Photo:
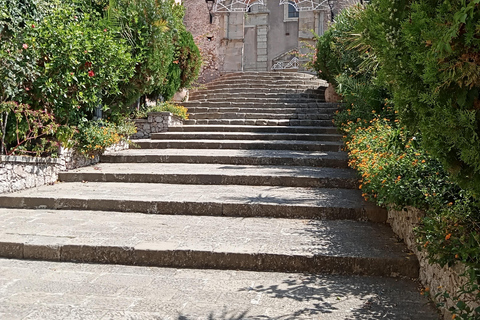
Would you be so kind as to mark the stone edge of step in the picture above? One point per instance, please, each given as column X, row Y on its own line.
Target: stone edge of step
column 162, row 256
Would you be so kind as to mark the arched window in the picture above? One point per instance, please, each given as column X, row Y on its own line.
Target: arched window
column 292, row 12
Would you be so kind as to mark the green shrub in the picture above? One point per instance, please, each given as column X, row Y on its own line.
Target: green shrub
column 148, row 26
column 93, row 137
column 429, row 54
column 175, row 109
column 26, row 131
column 406, row 91
column 69, row 60
column 185, row 66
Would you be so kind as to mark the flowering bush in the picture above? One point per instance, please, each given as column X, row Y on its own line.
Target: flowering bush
column 79, row 59
column 93, row 137
column 396, row 171
column 175, row 109
column 428, row 52
column 398, row 96
column 26, row 131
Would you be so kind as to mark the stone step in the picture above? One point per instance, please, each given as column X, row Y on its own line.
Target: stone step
column 230, row 156
column 219, row 88
column 273, row 87
column 299, row 145
column 260, row 82
column 268, row 77
column 287, row 111
column 262, row 100
column 255, row 129
column 202, row 200
column 208, row 174
column 95, row 291
column 250, row 74
column 260, row 122
column 245, row 136
column 250, row 95
column 254, row 116
column 257, row 244
column 287, row 105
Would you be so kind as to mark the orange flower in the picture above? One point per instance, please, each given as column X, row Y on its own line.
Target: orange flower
column 448, row 236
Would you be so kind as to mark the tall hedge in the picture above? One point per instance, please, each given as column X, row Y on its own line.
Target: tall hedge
column 429, row 53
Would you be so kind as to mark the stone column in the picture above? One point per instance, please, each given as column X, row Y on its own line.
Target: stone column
column 306, row 23
column 232, row 43
column 262, row 45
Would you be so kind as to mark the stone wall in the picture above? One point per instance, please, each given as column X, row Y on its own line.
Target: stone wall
column 24, row 172
column 155, row 122
column 434, row 277
column 207, row 37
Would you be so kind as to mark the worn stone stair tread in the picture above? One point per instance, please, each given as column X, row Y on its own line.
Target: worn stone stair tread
column 93, row 291
column 285, row 111
column 241, row 144
column 348, row 247
column 260, row 122
column 246, row 104
column 214, row 174
column 247, row 136
column 254, row 129
column 210, row 115
column 192, row 199
column 230, row 156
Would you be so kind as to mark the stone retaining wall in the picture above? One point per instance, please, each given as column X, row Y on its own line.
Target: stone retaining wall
column 434, row 277
column 155, row 122
column 23, row 172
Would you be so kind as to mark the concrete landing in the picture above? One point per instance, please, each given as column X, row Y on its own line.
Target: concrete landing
column 32, row 290
column 255, row 129
column 236, row 157
column 245, row 136
column 299, row 145
column 214, row 200
column 286, row 245
column 208, row 174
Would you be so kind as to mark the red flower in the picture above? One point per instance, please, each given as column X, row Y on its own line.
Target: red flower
column 91, row 73
column 88, row 65
column 33, row 26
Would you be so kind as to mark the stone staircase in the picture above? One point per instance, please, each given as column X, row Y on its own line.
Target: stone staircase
column 255, row 181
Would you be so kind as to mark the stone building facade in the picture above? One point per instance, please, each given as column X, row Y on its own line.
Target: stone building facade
column 264, row 38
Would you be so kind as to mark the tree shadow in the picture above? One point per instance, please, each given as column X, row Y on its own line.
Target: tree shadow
column 336, row 297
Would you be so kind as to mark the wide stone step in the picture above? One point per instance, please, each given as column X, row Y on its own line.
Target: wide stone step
column 268, row 79
column 255, row 116
column 80, row 291
column 256, row 129
column 252, row 74
column 287, row 105
column 219, row 88
column 261, row 82
column 261, row 100
column 260, row 122
column 286, row 111
column 208, row 174
column 250, row 95
column 300, row 145
column 258, row 244
column 245, row 136
column 232, row 156
column 203, row 200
